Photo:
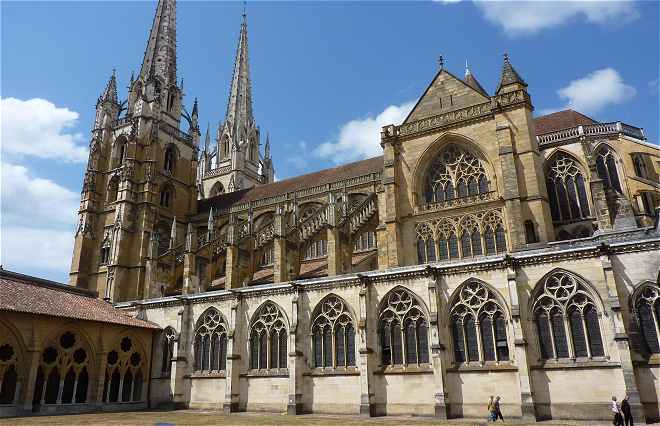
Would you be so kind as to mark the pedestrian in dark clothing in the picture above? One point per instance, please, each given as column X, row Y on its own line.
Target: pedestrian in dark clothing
column 625, row 410
column 498, row 411
column 616, row 411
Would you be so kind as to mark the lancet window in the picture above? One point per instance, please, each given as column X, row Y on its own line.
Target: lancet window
column 607, row 169
column 403, row 329
column 639, row 163
column 365, row 241
column 63, row 376
column 333, row 335
column 168, row 341
column 268, row 339
column 113, row 189
column 567, row 319
column 8, row 373
column 566, row 189
column 316, row 249
column 124, row 379
column 169, row 160
column 455, row 173
column 166, row 196
column 461, row 237
column 210, row 347
column 478, row 325
column 647, row 310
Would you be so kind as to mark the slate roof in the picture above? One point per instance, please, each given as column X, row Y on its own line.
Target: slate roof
column 560, row 120
column 31, row 295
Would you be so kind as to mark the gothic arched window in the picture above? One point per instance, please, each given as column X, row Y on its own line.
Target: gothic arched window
column 333, row 334
column 567, row 319
column 217, row 189
column 169, row 160
column 268, row 339
column 639, row 163
column 168, row 341
column 403, row 329
column 607, row 169
column 425, row 244
column 210, row 345
column 8, row 373
column 455, row 172
column 104, row 256
column 113, row 189
column 478, row 325
column 166, row 196
column 647, row 310
column 470, row 233
column 64, row 375
column 124, row 380
column 316, row 249
column 566, row 189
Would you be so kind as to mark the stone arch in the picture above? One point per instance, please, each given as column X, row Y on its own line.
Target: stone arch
column 217, row 189
column 119, row 151
column 257, row 312
column 499, row 298
column 171, row 155
column 333, row 330
column 268, row 338
column 349, row 308
column 537, row 290
column 567, row 183
column 419, row 300
column 14, row 368
column 167, row 195
column 614, row 178
column 425, row 160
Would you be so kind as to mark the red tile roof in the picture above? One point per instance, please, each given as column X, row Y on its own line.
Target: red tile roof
column 560, row 120
column 31, row 295
column 322, row 177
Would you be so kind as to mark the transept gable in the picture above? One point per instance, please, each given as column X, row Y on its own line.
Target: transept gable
column 445, row 93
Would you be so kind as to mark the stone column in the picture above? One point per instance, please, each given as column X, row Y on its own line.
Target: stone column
column 520, row 352
column 232, row 268
column 190, row 278
column 33, row 360
column 436, row 347
column 233, row 368
column 279, row 247
column 294, row 364
column 181, row 368
column 367, row 397
column 389, row 237
column 336, row 261
column 510, row 189
column 621, row 339
column 97, row 395
column 151, row 272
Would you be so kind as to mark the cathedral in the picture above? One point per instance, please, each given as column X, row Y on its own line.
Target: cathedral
column 488, row 251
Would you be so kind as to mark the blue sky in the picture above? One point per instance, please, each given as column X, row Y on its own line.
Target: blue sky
column 325, row 77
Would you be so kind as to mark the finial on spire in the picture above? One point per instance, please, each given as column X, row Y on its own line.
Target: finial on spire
column 207, row 138
column 467, row 68
column 244, row 7
column 160, row 54
column 110, row 92
column 267, row 147
column 506, row 57
column 441, row 62
column 195, row 110
column 509, row 75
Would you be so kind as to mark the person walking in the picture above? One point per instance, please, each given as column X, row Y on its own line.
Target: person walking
column 498, row 411
column 491, row 409
column 616, row 412
column 625, row 410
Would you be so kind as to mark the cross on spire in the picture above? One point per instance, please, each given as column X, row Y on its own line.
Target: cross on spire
column 441, row 62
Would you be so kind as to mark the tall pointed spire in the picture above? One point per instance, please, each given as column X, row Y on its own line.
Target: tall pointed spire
column 471, row 80
column 239, row 107
column 267, row 147
column 207, row 138
column 160, row 54
column 110, row 91
column 509, row 75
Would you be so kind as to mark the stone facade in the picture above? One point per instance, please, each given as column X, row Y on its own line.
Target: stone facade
column 486, row 252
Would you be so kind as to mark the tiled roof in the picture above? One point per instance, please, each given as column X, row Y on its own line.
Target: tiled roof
column 31, row 295
column 560, row 120
column 322, row 177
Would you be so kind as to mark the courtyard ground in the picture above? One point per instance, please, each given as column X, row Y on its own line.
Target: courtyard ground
column 194, row 418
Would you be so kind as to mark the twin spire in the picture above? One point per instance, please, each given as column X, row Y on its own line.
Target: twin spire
column 239, row 106
column 160, row 55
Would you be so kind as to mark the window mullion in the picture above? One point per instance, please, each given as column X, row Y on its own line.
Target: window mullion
column 334, row 348
column 492, row 328
column 552, row 336
column 569, row 336
column 656, row 320
column 480, row 345
column 586, row 335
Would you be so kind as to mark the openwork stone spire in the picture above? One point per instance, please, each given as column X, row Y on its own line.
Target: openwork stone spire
column 239, row 107
column 509, row 75
column 160, row 55
column 110, row 92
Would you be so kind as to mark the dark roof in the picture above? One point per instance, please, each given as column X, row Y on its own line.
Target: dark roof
column 322, row 177
column 37, row 296
column 471, row 81
column 560, row 120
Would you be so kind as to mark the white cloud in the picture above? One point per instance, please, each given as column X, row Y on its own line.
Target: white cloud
column 38, row 128
column 596, row 91
column 360, row 138
column 38, row 221
column 528, row 17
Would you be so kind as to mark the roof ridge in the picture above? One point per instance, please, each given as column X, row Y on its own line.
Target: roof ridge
column 43, row 282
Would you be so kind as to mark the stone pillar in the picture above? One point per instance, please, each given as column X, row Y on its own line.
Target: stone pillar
column 279, row 247
column 510, row 189
column 181, row 367
column 621, row 339
column 367, row 397
column 232, row 271
column 336, row 258
column 520, row 352
column 437, row 349
column 294, row 364
column 233, row 368
column 97, row 396
column 151, row 271
column 389, row 237
column 33, row 360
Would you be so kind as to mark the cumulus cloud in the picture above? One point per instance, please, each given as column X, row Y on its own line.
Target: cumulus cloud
column 596, row 91
column 360, row 138
column 38, row 221
column 528, row 17
column 38, row 128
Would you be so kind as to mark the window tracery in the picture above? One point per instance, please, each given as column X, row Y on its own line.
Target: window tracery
column 123, row 373
column 63, row 377
column 647, row 313
column 168, row 341
column 268, row 339
column 333, row 335
column 567, row 319
column 403, row 330
column 169, row 160
column 210, row 342
column 478, row 325
column 566, row 189
column 113, row 189
column 455, row 173
column 607, row 168
column 461, row 237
